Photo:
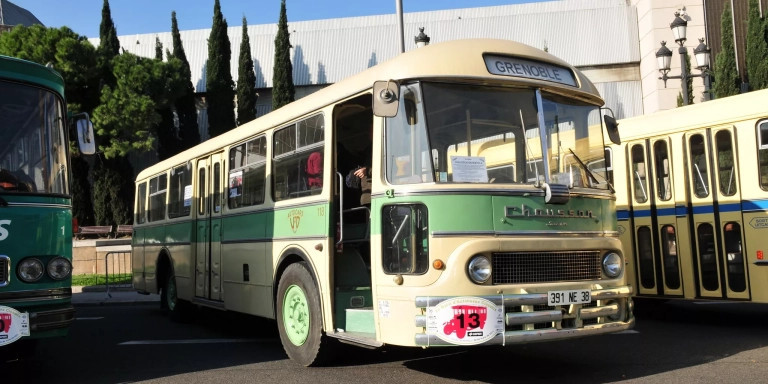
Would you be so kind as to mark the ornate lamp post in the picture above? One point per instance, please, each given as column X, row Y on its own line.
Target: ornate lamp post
column 702, row 54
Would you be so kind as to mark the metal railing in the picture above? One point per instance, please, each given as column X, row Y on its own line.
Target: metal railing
column 121, row 265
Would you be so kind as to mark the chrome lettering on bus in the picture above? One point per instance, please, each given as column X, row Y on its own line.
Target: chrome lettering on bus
column 526, row 211
column 4, row 231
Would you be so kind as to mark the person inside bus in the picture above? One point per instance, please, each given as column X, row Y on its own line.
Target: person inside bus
column 359, row 178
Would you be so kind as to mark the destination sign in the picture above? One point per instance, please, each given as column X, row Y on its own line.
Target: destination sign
column 517, row 67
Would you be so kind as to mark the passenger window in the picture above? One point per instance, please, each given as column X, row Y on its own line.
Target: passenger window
column 201, row 195
column 247, row 173
column 762, row 152
column 639, row 177
column 699, row 166
column 298, row 159
column 180, row 191
column 663, row 178
column 725, row 163
column 141, row 201
column 157, row 191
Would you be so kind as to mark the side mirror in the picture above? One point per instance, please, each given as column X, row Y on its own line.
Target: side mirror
column 612, row 127
column 85, row 138
column 386, row 98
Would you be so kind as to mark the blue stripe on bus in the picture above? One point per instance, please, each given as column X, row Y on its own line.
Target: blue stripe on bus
column 682, row 211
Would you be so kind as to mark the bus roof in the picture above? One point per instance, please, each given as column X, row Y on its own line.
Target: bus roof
column 707, row 114
column 454, row 60
column 33, row 73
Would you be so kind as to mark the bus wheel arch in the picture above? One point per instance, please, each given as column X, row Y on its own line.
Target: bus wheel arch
column 178, row 310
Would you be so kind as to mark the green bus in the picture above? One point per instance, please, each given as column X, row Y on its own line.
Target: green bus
column 452, row 196
column 35, row 201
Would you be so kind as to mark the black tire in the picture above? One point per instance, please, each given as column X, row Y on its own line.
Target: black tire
column 300, row 319
column 178, row 310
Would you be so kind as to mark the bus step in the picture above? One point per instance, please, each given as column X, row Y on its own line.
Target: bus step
column 360, row 320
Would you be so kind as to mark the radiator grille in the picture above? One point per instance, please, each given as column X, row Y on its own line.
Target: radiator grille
column 539, row 267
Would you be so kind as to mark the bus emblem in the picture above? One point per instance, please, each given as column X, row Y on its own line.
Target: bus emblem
column 294, row 219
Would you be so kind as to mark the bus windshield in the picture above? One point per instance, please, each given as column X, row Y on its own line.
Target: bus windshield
column 33, row 147
column 458, row 133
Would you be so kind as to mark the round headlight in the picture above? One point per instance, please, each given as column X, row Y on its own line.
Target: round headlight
column 612, row 265
column 479, row 269
column 30, row 270
column 59, row 268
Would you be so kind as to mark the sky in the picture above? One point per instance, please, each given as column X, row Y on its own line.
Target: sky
column 152, row 16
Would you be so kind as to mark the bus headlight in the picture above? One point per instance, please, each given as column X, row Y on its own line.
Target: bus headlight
column 479, row 269
column 59, row 268
column 612, row 265
column 30, row 270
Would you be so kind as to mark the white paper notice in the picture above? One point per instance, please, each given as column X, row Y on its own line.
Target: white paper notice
column 469, row 169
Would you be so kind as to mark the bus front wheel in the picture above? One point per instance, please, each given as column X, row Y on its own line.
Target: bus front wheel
column 299, row 317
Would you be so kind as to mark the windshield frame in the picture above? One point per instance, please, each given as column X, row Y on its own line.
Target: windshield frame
column 34, row 142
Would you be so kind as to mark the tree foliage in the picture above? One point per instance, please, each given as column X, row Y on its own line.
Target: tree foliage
column 246, row 81
column 109, row 45
column 113, row 192
column 726, row 76
column 186, row 110
column 129, row 113
column 283, row 91
column 757, row 48
column 219, row 85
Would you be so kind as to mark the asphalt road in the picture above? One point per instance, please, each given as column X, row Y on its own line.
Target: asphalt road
column 672, row 343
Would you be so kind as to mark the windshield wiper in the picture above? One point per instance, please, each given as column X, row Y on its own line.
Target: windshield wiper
column 589, row 173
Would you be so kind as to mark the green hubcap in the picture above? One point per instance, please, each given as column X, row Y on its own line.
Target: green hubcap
column 171, row 295
column 296, row 315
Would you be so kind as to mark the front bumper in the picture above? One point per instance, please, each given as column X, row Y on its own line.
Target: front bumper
column 526, row 318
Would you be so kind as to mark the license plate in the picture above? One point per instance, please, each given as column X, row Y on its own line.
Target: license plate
column 577, row 296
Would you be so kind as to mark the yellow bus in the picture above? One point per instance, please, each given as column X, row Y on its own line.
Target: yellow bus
column 692, row 197
column 364, row 213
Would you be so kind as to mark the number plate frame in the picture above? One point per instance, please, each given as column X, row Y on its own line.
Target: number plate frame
column 568, row 297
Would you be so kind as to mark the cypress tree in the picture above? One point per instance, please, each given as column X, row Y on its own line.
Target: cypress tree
column 726, row 76
column 246, row 81
column 158, row 49
column 109, row 45
column 757, row 49
column 283, row 91
column 219, row 84
column 185, row 104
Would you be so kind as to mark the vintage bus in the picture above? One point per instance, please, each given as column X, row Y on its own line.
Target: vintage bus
column 444, row 249
column 692, row 200
column 35, row 201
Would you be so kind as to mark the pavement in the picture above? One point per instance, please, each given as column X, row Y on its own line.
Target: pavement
column 118, row 295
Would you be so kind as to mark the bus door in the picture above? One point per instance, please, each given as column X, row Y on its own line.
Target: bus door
column 653, row 215
column 715, row 207
column 210, row 172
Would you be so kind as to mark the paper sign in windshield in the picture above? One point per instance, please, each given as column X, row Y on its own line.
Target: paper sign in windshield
column 469, row 169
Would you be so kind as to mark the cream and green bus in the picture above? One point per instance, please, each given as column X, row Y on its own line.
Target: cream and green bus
column 692, row 199
column 478, row 219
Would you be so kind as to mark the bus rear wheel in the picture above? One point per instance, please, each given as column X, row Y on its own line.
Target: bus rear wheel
column 299, row 317
column 178, row 310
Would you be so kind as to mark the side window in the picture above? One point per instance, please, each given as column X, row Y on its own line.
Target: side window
column 202, row 196
column 180, row 191
column 247, row 173
column 699, row 166
column 141, row 201
column 157, row 191
column 726, row 170
column 663, row 178
column 639, row 174
column 762, row 152
column 298, row 159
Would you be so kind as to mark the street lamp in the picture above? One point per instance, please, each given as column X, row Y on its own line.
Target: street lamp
column 702, row 53
column 421, row 39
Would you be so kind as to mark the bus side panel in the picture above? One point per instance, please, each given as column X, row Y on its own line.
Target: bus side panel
column 137, row 259
column 246, row 263
column 179, row 238
column 755, row 208
column 153, row 247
